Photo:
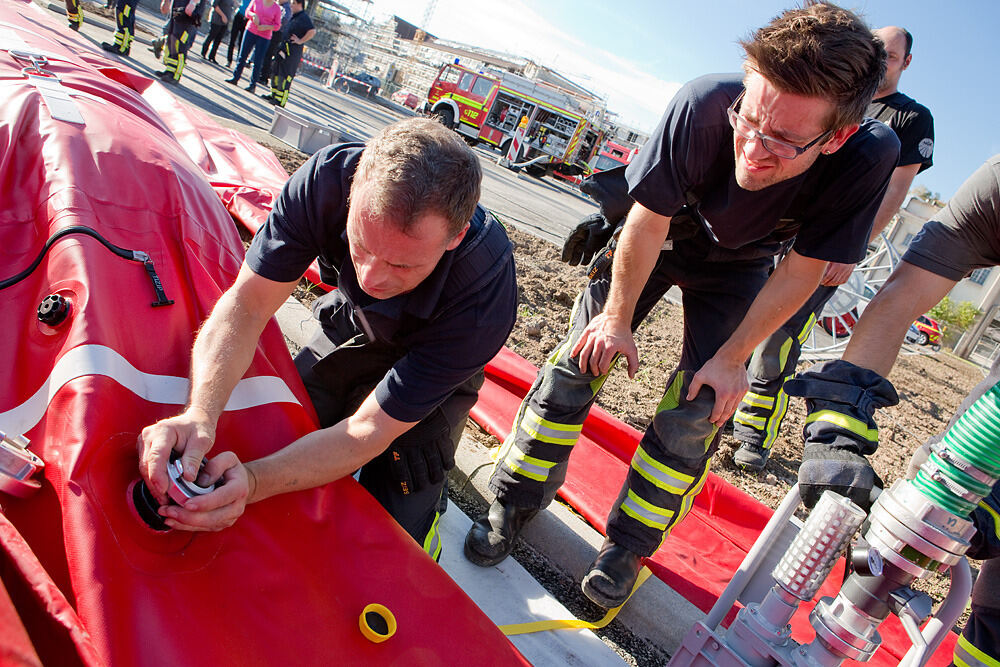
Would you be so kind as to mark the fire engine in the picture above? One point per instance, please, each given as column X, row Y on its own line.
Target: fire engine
column 612, row 154
column 562, row 130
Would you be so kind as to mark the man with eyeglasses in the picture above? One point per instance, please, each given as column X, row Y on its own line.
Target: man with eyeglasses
column 737, row 166
column 757, row 421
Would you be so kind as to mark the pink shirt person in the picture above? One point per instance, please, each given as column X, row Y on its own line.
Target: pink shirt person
column 268, row 16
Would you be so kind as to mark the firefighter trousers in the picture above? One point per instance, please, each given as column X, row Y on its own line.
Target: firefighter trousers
column 125, row 21
column 670, row 464
column 74, row 13
column 759, row 415
column 285, row 67
column 180, row 37
column 339, row 372
column 979, row 645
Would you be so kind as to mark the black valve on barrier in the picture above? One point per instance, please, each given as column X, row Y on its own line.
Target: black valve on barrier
column 179, row 491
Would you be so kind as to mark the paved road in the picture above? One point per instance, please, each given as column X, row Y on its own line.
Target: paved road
column 548, row 207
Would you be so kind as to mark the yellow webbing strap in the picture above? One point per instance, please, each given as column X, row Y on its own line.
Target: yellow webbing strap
column 574, row 623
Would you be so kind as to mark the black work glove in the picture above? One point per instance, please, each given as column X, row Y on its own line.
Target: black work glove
column 609, row 189
column 590, row 237
column 421, row 457
column 840, row 429
column 839, row 470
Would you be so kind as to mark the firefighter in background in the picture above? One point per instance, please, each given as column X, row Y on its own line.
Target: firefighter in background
column 185, row 17
column 74, row 14
column 125, row 20
column 962, row 237
column 286, row 62
column 758, row 419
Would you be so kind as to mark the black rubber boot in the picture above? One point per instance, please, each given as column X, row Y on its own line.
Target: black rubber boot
column 612, row 576
column 751, row 457
column 492, row 536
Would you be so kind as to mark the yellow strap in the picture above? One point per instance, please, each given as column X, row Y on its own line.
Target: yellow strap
column 574, row 623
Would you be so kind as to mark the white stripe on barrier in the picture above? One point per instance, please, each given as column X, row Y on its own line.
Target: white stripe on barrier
column 101, row 360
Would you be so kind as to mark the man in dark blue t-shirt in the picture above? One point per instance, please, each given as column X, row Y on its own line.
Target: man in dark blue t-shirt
column 427, row 296
column 737, row 166
column 758, row 418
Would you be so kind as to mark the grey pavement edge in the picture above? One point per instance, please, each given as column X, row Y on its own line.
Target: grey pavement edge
column 656, row 613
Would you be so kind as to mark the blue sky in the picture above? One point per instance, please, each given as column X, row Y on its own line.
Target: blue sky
column 637, row 52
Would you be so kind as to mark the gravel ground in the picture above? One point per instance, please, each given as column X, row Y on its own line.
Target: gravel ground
column 565, row 588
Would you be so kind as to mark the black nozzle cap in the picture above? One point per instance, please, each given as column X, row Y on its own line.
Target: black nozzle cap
column 147, row 506
column 53, row 310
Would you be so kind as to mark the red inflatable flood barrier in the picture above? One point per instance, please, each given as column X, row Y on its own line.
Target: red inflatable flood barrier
column 701, row 555
column 84, row 581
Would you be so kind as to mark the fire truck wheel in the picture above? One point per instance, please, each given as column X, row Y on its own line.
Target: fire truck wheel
column 446, row 116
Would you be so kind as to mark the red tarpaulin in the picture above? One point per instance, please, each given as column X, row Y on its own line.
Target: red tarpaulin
column 88, row 583
column 703, row 551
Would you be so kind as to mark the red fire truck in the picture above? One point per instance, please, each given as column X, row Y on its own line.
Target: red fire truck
column 612, row 154
column 561, row 132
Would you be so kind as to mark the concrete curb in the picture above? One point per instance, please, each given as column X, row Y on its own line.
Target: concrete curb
column 656, row 613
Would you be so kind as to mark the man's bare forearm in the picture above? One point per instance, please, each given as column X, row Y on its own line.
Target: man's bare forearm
column 908, row 293
column 221, row 355
column 224, row 348
column 899, row 186
column 326, row 455
column 635, row 256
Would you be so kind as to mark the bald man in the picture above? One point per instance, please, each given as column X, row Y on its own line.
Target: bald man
column 758, row 418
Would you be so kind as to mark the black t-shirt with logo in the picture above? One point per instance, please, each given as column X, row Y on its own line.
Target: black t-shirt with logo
column 913, row 124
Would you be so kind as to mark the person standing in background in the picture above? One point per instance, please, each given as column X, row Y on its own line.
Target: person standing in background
column 185, row 17
column 125, row 21
column 263, row 18
column 74, row 14
column 286, row 64
column 222, row 11
column 238, row 26
column 277, row 41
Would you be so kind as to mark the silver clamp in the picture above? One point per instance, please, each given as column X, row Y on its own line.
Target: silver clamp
column 56, row 97
column 18, row 466
column 946, row 454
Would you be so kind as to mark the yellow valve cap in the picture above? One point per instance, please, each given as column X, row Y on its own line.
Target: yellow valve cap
column 377, row 623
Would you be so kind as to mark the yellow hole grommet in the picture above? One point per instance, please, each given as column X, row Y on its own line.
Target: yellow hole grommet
column 377, row 623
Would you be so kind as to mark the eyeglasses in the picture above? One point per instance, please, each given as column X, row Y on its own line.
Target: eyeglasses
column 775, row 147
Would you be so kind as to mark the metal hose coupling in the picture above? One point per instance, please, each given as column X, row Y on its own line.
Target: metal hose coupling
column 922, row 525
column 918, row 527
column 762, row 630
column 20, row 468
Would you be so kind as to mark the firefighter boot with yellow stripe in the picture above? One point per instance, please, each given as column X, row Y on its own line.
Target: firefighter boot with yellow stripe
column 492, row 536
column 612, row 575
